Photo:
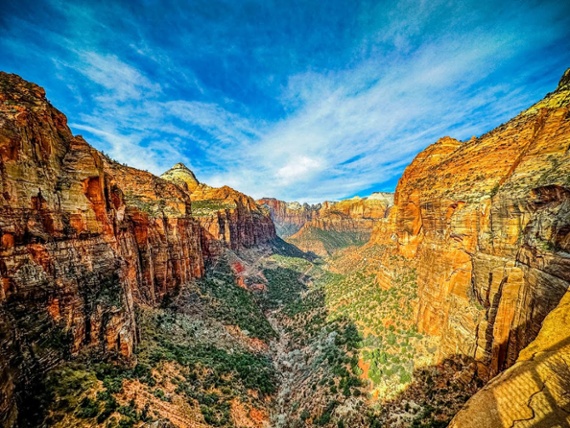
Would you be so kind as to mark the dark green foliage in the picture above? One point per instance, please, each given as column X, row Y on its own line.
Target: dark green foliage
column 284, row 287
column 254, row 371
column 160, row 394
column 88, row 408
column 142, row 372
column 227, row 302
column 217, row 414
column 327, row 413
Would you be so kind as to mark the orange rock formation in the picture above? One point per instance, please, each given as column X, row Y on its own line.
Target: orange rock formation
column 486, row 223
column 229, row 219
column 347, row 221
column 83, row 238
column 533, row 392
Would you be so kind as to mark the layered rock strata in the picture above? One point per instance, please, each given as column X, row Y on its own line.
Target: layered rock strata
column 84, row 239
column 289, row 217
column 229, row 219
column 321, row 228
column 486, row 223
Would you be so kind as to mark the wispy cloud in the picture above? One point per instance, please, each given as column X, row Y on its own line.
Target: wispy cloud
column 318, row 102
column 121, row 81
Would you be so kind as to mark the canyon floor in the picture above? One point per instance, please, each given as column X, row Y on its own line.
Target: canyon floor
column 269, row 338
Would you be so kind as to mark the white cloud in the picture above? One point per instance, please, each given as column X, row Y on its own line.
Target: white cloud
column 297, row 169
column 121, row 81
column 345, row 130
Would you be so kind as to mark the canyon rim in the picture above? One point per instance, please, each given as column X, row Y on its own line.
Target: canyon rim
column 247, row 214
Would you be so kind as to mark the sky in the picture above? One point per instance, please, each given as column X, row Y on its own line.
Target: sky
column 300, row 100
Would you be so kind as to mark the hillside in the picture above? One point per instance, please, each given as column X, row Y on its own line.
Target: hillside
column 131, row 300
column 323, row 228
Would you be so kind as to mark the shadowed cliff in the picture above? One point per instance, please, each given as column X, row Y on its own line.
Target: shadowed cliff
column 84, row 240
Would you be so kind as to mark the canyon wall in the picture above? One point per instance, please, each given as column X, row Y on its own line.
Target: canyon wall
column 325, row 227
column 289, row 217
column 486, row 224
column 84, row 239
column 534, row 391
column 229, row 219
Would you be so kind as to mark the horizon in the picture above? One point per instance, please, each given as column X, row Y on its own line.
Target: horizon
column 309, row 103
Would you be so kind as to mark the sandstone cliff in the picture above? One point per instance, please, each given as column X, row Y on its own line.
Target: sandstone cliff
column 229, row 219
column 84, row 239
column 533, row 392
column 288, row 217
column 325, row 227
column 486, row 223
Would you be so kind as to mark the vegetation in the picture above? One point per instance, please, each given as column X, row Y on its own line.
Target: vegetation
column 151, row 207
column 208, row 206
column 337, row 337
column 228, row 303
column 350, row 341
column 331, row 240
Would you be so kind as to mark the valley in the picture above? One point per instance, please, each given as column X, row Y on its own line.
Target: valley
column 303, row 343
column 132, row 300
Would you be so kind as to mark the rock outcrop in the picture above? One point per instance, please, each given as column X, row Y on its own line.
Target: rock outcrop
column 533, row 392
column 486, row 223
column 182, row 176
column 229, row 219
column 84, row 239
column 289, row 217
column 325, row 227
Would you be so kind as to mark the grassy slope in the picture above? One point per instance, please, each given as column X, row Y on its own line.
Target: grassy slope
column 319, row 345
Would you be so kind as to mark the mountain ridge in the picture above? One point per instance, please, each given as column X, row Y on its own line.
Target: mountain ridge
column 472, row 254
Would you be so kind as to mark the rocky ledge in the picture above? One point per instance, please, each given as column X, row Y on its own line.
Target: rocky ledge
column 83, row 239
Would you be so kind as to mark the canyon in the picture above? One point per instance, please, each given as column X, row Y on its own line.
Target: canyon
column 326, row 227
column 85, row 239
column 129, row 298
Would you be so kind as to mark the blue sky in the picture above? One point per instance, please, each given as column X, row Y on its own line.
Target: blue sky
column 300, row 100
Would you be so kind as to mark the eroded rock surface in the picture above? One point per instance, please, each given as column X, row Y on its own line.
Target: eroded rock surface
column 323, row 228
column 84, row 239
column 486, row 223
column 229, row 219
column 533, row 392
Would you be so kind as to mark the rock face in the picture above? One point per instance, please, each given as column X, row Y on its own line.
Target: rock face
column 289, row 217
column 533, row 392
column 182, row 176
column 229, row 219
column 324, row 227
column 486, row 223
column 83, row 239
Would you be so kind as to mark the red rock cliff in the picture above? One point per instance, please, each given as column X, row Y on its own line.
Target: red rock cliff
column 487, row 225
column 84, row 239
column 288, row 217
column 322, row 228
column 229, row 219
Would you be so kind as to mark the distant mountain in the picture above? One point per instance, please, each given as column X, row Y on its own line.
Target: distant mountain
column 323, row 228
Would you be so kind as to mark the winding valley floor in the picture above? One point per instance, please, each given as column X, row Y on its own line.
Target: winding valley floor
column 271, row 339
